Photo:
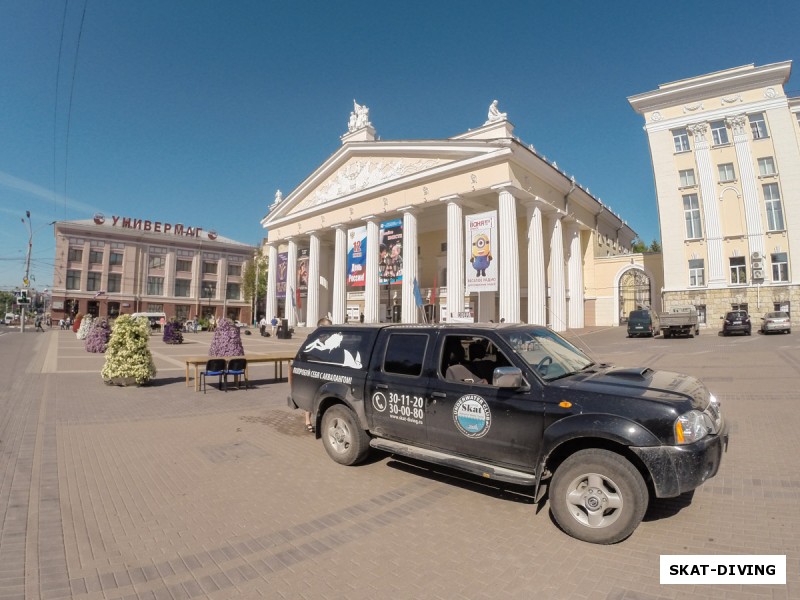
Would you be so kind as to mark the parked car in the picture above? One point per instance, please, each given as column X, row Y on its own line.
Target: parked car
column 643, row 322
column 736, row 321
column 777, row 321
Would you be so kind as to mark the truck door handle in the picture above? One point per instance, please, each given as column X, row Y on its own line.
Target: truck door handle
column 381, row 386
column 439, row 395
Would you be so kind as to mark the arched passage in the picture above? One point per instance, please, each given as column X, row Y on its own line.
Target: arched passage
column 634, row 290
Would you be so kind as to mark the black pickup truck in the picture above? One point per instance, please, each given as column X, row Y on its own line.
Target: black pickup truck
column 516, row 403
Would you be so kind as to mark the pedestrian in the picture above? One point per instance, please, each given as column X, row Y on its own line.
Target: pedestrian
column 309, row 425
column 274, row 324
column 262, row 325
column 61, row 323
column 38, row 322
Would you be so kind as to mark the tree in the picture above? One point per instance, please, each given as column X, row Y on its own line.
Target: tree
column 639, row 246
column 249, row 281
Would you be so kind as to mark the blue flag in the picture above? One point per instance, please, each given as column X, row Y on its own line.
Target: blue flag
column 417, row 295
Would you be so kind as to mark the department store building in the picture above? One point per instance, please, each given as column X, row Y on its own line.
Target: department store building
column 107, row 266
column 476, row 227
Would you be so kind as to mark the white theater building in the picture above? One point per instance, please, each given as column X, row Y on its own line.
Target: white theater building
column 486, row 227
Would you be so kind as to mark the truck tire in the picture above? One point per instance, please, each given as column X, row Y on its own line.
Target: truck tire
column 666, row 334
column 598, row 496
column 344, row 440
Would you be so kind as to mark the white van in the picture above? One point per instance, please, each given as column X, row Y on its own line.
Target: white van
column 9, row 318
column 157, row 319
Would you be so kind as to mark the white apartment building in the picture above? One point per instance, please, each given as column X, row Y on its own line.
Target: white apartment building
column 726, row 161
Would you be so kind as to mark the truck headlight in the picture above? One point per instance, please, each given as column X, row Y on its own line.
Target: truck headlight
column 691, row 427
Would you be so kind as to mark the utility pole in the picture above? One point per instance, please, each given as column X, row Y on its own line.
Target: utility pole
column 27, row 269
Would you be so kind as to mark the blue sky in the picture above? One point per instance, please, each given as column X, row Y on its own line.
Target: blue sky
column 197, row 111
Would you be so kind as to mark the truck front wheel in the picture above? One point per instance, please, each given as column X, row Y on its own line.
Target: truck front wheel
column 344, row 440
column 598, row 496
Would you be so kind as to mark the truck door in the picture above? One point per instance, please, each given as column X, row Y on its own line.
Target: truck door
column 398, row 385
column 467, row 415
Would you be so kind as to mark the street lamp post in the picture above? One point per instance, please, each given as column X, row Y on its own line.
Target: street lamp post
column 27, row 268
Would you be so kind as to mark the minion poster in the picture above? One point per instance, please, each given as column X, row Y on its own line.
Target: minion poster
column 481, row 237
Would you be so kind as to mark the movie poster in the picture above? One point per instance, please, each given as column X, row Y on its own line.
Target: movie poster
column 356, row 256
column 280, row 278
column 481, row 262
column 390, row 252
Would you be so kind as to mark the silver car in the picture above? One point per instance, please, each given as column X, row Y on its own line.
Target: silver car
column 776, row 322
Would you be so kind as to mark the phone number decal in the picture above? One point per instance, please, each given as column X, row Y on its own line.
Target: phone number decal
column 402, row 407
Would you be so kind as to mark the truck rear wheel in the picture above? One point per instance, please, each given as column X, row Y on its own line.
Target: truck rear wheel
column 344, row 440
column 598, row 496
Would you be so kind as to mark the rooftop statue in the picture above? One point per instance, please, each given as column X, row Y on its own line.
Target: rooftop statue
column 495, row 114
column 359, row 118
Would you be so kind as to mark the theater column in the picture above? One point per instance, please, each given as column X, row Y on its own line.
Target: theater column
column 508, row 256
column 558, row 296
column 291, row 283
column 272, row 282
column 410, row 311
column 455, row 256
column 575, row 275
column 312, row 294
column 340, row 276
column 537, row 279
column 371, row 281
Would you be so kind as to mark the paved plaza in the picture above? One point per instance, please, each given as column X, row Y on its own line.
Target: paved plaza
column 161, row 492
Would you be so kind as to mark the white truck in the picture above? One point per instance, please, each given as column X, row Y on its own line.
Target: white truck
column 679, row 320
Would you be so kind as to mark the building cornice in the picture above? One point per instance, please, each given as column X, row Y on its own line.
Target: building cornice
column 720, row 83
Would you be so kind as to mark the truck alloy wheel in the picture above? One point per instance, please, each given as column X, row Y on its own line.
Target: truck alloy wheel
column 598, row 496
column 344, row 440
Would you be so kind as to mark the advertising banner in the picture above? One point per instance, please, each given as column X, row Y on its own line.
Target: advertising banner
column 302, row 269
column 356, row 256
column 481, row 237
column 390, row 252
column 280, row 279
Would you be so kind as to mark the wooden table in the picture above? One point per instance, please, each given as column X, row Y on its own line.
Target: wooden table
column 276, row 358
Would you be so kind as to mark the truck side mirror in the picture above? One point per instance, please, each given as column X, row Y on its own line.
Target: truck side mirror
column 507, row 377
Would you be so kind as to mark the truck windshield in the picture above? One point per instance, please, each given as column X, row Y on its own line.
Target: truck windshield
column 550, row 355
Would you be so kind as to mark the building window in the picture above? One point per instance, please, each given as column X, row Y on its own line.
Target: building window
column 182, row 287
column 719, row 133
column 772, row 199
column 95, row 257
column 209, row 268
column 183, row 266
column 93, row 282
column 758, row 126
column 743, row 306
column 780, row 266
column 234, row 270
column 691, row 211
column 738, row 270
column 75, row 255
column 681, row 139
column 182, row 312
column 114, row 283
column 156, row 262
column 726, row 173
column 687, row 177
column 233, row 291
column 697, row 271
column 115, row 258
column 155, row 286
column 782, row 306
column 73, row 280
column 113, row 309
column 766, row 166
column 155, row 308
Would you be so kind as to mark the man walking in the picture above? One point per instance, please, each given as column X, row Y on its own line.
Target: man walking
column 38, row 322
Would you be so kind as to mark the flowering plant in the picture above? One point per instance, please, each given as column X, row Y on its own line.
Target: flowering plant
column 98, row 337
column 128, row 355
column 227, row 340
column 172, row 333
column 85, row 326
